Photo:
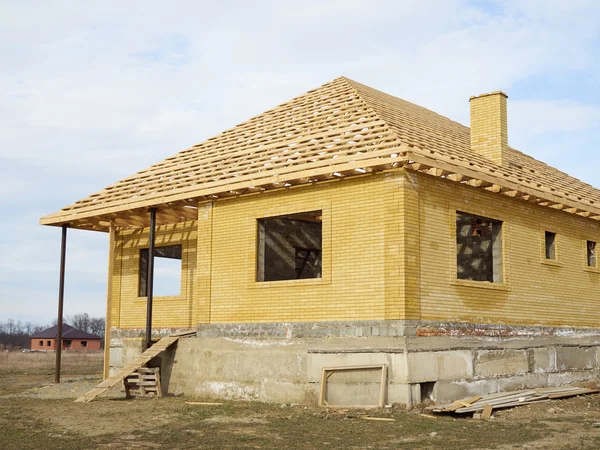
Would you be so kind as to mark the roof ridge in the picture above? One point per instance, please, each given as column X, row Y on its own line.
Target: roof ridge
column 408, row 102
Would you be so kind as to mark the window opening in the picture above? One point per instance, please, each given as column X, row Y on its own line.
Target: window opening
column 591, row 254
column 427, row 390
column 84, row 344
column 550, row 243
column 68, row 344
column 48, row 343
column 289, row 247
column 478, row 248
column 41, row 343
column 167, row 271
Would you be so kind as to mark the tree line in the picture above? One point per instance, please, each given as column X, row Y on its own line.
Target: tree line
column 15, row 334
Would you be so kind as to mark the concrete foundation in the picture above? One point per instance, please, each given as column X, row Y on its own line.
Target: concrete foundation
column 279, row 362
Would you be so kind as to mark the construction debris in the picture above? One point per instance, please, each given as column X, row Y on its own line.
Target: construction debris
column 204, row 403
column 482, row 407
column 382, row 419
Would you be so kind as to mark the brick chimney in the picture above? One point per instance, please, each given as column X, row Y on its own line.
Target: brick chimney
column 489, row 128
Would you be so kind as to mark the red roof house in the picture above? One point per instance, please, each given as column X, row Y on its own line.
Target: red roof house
column 73, row 339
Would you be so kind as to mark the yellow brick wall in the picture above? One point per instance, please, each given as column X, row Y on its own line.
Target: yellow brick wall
column 129, row 310
column 534, row 291
column 360, row 275
column 361, row 260
column 489, row 126
column 389, row 252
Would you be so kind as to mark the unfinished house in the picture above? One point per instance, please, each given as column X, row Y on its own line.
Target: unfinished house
column 353, row 247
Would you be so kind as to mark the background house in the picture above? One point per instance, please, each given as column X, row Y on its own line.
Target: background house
column 73, row 339
column 349, row 227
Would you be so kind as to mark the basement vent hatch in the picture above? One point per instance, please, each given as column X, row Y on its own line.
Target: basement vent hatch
column 289, row 247
column 167, row 271
column 478, row 248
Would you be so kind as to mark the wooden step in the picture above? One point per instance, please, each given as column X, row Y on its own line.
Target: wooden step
column 130, row 368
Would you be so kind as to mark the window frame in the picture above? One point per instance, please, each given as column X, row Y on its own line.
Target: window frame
column 260, row 248
column 291, row 208
column 504, row 246
column 586, row 266
column 554, row 246
column 557, row 262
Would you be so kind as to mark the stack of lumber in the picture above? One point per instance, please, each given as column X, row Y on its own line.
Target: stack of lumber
column 486, row 404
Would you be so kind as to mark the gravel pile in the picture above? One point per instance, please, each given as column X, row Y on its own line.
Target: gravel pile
column 69, row 388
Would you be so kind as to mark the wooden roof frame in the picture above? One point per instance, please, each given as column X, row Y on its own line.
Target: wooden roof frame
column 339, row 130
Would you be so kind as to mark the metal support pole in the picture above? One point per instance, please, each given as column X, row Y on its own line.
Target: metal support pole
column 150, row 277
column 61, row 296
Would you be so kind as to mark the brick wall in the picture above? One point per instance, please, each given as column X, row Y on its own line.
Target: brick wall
column 128, row 309
column 389, row 252
column 360, row 260
column 535, row 291
column 489, row 126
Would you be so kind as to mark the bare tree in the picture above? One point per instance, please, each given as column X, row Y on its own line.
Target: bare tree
column 80, row 321
column 97, row 326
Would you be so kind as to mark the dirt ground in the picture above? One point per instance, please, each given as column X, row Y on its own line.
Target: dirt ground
column 35, row 413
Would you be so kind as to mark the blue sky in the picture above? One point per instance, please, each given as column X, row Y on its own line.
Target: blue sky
column 94, row 91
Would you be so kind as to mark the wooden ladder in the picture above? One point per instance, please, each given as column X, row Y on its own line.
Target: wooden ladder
column 132, row 366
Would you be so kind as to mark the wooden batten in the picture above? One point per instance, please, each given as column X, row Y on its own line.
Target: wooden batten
column 339, row 130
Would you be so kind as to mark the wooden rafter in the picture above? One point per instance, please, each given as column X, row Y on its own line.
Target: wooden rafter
column 339, row 130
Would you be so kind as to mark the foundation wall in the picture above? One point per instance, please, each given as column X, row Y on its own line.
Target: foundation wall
column 284, row 362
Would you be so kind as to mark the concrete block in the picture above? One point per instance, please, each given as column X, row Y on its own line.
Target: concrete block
column 448, row 391
column 116, row 356
column 284, row 392
column 544, row 359
column 398, row 371
column 525, row 381
column 560, row 379
column 399, row 393
column 490, row 363
column 229, row 390
column 249, row 366
column 568, row 358
column 132, row 348
column 434, row 366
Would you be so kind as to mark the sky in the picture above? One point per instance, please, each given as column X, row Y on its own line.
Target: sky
column 91, row 92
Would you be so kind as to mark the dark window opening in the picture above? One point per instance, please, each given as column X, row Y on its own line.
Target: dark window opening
column 427, row 390
column 41, row 343
column 84, row 343
column 550, row 243
column 167, row 271
column 289, row 247
column 478, row 248
column 48, row 343
column 591, row 254
column 68, row 343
